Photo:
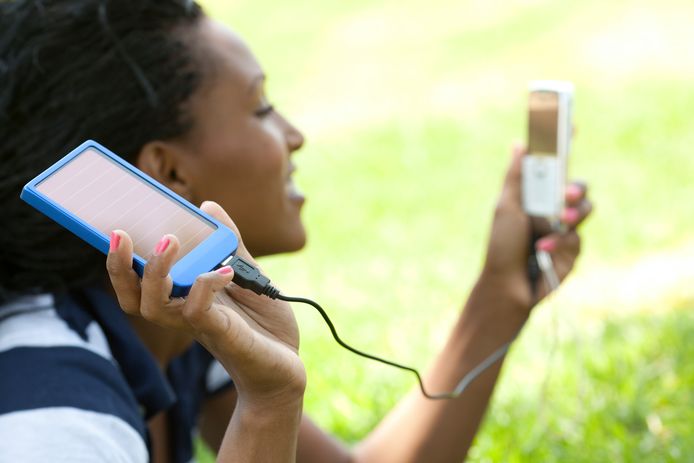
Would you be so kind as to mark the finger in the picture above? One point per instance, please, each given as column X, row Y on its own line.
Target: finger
column 575, row 192
column 547, row 243
column 156, row 282
column 563, row 249
column 574, row 216
column 512, row 183
column 567, row 250
column 216, row 211
column 197, row 309
column 119, row 264
column 569, row 242
column 559, row 242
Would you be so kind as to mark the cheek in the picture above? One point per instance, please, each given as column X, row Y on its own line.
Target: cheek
column 247, row 178
column 266, row 169
column 262, row 164
column 249, row 155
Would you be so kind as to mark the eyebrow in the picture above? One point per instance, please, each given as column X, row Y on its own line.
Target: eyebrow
column 258, row 80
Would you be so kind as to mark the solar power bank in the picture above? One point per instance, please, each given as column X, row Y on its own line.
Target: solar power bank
column 92, row 192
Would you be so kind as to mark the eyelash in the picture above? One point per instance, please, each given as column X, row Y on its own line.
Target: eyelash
column 262, row 112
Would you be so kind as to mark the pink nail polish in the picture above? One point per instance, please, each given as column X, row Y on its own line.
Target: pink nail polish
column 115, row 241
column 546, row 244
column 570, row 215
column 162, row 245
column 224, row 270
column 573, row 192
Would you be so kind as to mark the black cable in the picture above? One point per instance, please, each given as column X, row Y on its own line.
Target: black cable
column 462, row 385
column 248, row 276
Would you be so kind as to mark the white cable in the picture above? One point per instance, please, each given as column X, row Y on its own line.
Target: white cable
column 544, row 260
column 546, row 265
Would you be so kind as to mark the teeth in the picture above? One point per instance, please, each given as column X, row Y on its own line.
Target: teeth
column 291, row 188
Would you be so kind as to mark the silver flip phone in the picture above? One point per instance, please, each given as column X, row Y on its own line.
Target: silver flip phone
column 550, row 127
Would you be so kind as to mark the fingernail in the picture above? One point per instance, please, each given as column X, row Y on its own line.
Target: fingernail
column 573, row 192
column 224, row 270
column 162, row 245
column 546, row 244
column 115, row 241
column 569, row 215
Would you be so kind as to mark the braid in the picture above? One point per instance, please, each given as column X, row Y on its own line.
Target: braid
column 117, row 71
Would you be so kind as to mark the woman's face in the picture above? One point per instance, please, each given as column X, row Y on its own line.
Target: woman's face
column 238, row 152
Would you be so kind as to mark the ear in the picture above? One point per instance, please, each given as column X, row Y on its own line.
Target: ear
column 169, row 165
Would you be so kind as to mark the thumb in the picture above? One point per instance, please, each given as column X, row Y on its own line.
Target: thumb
column 216, row 211
column 512, row 183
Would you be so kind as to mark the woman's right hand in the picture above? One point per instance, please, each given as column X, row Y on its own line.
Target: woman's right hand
column 254, row 337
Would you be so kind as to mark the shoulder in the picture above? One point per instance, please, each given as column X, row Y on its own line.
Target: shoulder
column 62, row 394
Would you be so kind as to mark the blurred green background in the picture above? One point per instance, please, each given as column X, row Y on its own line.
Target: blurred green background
column 409, row 108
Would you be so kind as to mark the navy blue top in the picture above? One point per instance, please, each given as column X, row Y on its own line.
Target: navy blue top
column 75, row 380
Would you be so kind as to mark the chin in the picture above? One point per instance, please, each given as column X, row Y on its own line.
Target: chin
column 294, row 243
column 288, row 242
column 300, row 243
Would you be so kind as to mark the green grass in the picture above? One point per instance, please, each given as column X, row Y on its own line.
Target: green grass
column 623, row 394
column 409, row 108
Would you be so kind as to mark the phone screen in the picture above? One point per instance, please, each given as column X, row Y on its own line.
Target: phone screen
column 543, row 115
column 108, row 196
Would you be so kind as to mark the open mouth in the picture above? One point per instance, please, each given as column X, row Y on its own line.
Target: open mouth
column 290, row 187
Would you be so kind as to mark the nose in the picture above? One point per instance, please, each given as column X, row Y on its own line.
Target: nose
column 295, row 139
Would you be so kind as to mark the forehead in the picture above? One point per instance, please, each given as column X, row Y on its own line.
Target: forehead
column 230, row 58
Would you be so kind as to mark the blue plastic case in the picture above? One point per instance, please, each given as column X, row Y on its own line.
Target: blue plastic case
column 218, row 246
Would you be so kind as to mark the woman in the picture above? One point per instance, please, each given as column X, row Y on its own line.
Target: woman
column 182, row 97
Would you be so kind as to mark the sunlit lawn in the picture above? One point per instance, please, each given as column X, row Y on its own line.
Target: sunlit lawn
column 409, row 109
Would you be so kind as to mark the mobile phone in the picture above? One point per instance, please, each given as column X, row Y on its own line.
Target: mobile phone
column 550, row 128
column 92, row 191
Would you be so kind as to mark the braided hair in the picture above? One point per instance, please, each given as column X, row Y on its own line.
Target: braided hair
column 117, row 71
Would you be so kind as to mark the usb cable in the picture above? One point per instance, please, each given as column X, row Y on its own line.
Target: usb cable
column 249, row 277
